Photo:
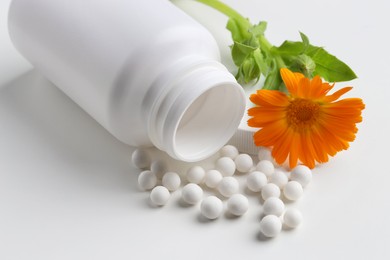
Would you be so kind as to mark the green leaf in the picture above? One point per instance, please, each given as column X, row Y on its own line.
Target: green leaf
column 245, row 48
column 252, row 41
column 329, row 66
column 273, row 80
column 289, row 48
column 240, row 52
column 260, row 61
column 258, row 29
column 305, row 40
column 237, row 55
column 326, row 65
column 239, row 31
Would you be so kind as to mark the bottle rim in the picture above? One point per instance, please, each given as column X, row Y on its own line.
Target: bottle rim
column 200, row 114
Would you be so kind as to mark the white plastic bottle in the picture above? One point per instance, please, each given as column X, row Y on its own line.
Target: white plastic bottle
column 144, row 70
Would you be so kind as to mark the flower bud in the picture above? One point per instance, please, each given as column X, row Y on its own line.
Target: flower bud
column 249, row 70
column 304, row 64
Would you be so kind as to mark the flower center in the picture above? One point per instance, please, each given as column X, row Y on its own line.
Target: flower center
column 302, row 114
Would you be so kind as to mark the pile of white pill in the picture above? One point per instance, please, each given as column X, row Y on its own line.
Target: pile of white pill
column 274, row 185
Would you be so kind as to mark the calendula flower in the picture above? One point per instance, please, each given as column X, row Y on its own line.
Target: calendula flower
column 306, row 125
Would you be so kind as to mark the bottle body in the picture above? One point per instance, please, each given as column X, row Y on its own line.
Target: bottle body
column 122, row 61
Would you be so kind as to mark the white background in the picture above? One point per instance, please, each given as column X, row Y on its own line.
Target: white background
column 68, row 191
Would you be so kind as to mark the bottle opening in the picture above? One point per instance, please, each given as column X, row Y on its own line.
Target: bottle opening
column 199, row 112
column 209, row 122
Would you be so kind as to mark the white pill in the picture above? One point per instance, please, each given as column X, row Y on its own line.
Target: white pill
column 229, row 151
column 292, row 218
column 159, row 195
column 293, row 190
column 226, row 166
column 159, row 168
column 270, row 190
column 195, row 174
column 264, row 154
column 237, row 204
column 266, row 167
column 212, row 178
column 228, row 186
column 140, row 158
column 273, row 206
column 147, row 180
column 243, row 162
column 171, row 181
column 192, row 193
column 211, row 207
column 279, row 178
column 270, row 226
column 288, row 174
column 301, row 174
column 256, row 181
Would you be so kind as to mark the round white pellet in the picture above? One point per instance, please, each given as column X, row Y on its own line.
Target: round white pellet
column 226, row 166
column 141, row 158
column 288, row 174
column 256, row 181
column 293, row 190
column 211, row 207
column 159, row 168
column 243, row 162
column 266, row 167
column 229, row 151
column 171, row 181
column 279, row 178
column 301, row 174
column 228, row 186
column 270, row 226
column 273, row 206
column 159, row 195
column 237, row 204
column 264, row 154
column 147, row 180
column 270, row 190
column 192, row 193
column 212, row 178
column 292, row 218
column 195, row 174
column 253, row 169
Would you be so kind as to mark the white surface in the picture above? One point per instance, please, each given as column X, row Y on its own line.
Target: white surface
column 68, row 191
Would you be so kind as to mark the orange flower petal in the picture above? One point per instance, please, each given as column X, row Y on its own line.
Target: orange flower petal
column 281, row 148
column 320, row 89
column 265, row 97
column 337, row 94
column 294, row 150
column 263, row 118
column 315, row 85
column 308, row 125
column 291, row 80
column 307, row 153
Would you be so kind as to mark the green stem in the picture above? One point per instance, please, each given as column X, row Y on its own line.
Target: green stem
column 225, row 9
column 267, row 46
column 265, row 43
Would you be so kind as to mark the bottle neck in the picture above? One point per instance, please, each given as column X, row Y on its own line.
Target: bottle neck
column 197, row 111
